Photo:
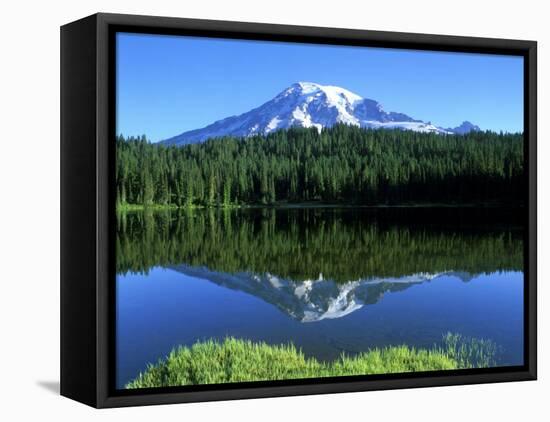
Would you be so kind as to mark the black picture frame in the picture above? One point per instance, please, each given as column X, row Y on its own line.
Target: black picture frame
column 87, row 207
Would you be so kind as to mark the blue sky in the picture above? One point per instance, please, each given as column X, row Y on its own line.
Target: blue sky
column 167, row 85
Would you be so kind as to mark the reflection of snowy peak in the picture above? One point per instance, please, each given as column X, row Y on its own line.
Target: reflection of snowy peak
column 307, row 104
column 310, row 300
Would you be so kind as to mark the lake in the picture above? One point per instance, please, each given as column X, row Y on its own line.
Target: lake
column 329, row 280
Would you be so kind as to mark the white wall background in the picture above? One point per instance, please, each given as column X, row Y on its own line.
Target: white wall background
column 29, row 208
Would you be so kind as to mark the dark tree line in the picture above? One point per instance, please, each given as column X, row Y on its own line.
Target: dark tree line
column 342, row 245
column 341, row 164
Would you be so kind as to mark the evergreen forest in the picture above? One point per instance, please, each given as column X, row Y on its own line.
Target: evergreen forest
column 340, row 165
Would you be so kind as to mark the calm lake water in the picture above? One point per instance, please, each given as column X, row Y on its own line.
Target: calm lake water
column 328, row 280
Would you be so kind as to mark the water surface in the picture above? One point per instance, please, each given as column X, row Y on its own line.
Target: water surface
column 331, row 281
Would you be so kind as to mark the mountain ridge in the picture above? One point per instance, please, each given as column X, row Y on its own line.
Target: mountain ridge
column 308, row 104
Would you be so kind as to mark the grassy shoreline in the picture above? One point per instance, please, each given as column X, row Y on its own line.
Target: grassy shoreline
column 312, row 204
column 140, row 207
column 237, row 360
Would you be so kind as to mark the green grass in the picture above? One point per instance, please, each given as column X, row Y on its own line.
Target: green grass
column 303, row 204
column 235, row 360
column 141, row 207
column 162, row 207
column 469, row 352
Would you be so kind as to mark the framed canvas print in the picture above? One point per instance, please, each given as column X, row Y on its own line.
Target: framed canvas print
column 253, row 210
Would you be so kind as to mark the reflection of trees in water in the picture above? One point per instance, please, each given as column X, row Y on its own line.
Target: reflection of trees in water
column 341, row 244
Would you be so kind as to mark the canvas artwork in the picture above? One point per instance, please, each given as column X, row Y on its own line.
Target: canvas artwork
column 292, row 211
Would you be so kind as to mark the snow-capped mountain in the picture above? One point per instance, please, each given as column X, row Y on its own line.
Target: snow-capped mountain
column 307, row 104
column 313, row 300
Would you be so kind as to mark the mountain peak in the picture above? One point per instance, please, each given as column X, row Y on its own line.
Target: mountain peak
column 309, row 104
column 334, row 93
column 305, row 87
column 465, row 127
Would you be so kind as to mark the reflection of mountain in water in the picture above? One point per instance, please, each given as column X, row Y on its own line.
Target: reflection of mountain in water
column 312, row 300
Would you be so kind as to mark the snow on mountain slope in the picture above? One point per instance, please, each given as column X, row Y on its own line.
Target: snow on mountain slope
column 307, row 104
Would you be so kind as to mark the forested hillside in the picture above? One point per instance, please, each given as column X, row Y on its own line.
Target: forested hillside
column 343, row 164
